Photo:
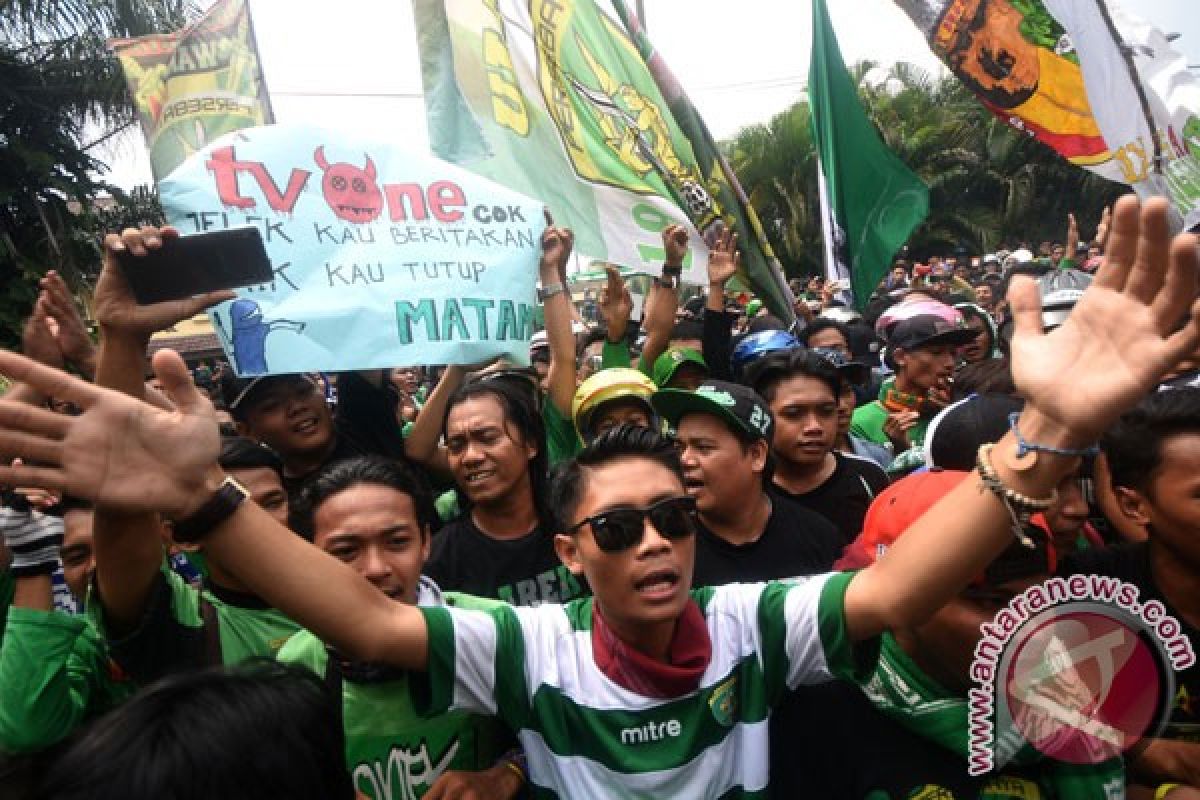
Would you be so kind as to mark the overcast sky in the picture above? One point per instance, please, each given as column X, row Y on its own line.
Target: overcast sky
column 353, row 63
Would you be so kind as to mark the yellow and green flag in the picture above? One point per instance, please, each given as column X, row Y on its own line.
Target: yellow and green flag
column 568, row 102
column 192, row 86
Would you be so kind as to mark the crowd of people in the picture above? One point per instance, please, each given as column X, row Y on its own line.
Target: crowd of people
column 703, row 554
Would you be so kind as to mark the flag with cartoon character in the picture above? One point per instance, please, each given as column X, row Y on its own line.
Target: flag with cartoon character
column 1098, row 85
column 192, row 86
column 380, row 257
column 570, row 103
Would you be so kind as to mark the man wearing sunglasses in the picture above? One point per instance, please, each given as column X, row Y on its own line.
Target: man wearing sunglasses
column 646, row 689
column 724, row 431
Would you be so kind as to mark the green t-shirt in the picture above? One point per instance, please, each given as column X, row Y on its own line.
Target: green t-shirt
column 392, row 751
column 562, row 440
column 867, row 423
column 8, row 587
column 173, row 634
column 54, row 675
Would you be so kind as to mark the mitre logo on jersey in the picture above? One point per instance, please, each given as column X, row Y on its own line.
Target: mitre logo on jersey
column 651, row 732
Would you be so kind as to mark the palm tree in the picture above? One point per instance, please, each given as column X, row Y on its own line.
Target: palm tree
column 57, row 80
column 988, row 185
column 776, row 164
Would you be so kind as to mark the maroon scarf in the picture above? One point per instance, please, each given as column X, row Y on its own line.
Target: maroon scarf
column 690, row 653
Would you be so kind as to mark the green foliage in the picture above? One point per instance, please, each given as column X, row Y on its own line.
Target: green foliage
column 56, row 77
column 990, row 186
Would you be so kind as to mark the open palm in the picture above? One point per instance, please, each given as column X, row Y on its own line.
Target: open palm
column 120, row 453
column 1122, row 335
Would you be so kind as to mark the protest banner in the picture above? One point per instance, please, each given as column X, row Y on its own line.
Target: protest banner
column 870, row 201
column 1146, row 101
column 381, row 257
column 569, row 102
column 192, row 86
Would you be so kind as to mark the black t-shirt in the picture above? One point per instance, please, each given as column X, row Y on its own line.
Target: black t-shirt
column 524, row 572
column 364, row 425
column 828, row 741
column 845, row 497
column 796, row 541
column 1131, row 564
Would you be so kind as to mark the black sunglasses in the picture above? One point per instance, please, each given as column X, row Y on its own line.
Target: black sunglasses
column 623, row 528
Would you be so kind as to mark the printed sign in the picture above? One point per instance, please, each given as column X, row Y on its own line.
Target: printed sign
column 381, row 257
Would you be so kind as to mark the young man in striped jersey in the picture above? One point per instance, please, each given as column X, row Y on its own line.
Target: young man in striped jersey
column 646, row 689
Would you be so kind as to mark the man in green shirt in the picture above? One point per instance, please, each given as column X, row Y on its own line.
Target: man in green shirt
column 923, row 348
column 376, row 516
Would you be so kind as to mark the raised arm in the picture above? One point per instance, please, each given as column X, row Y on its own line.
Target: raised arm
column 422, row 443
column 1076, row 380
column 556, row 249
column 126, row 455
column 129, row 546
column 616, row 306
column 718, row 330
column 658, row 312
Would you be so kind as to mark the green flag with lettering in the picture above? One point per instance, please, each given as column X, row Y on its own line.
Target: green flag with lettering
column 872, row 201
column 569, row 103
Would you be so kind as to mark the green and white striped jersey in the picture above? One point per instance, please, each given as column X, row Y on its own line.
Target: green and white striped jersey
column 585, row 736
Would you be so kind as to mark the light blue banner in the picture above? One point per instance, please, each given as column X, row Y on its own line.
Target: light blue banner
column 382, row 257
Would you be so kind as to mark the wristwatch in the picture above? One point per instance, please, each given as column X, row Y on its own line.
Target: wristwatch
column 670, row 277
column 216, row 509
column 546, row 292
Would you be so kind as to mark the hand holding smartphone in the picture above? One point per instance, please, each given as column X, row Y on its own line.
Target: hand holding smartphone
column 203, row 262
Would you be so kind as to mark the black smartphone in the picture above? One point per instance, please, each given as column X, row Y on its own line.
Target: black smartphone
column 203, row 262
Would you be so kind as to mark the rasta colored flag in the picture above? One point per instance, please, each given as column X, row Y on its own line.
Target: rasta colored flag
column 1090, row 80
column 1145, row 99
column 870, row 200
column 192, row 86
column 1018, row 61
column 567, row 101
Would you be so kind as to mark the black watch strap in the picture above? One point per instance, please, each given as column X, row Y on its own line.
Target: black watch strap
column 218, row 508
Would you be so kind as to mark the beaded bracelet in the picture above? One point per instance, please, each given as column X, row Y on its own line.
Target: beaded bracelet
column 1024, row 447
column 1019, row 506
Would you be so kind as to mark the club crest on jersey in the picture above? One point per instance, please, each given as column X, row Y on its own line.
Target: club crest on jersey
column 724, row 702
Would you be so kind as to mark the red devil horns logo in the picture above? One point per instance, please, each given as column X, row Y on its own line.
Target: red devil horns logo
column 351, row 192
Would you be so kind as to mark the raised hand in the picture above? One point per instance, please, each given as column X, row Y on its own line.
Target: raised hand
column 72, row 335
column 557, row 244
column 675, row 241
column 1101, row 237
column 116, row 309
column 37, row 338
column 615, row 305
column 1122, row 335
column 120, row 452
column 723, row 259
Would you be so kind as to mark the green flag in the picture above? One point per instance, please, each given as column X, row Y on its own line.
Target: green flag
column 569, row 103
column 871, row 201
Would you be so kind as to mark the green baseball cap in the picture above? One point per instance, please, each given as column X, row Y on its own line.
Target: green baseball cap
column 738, row 406
column 669, row 363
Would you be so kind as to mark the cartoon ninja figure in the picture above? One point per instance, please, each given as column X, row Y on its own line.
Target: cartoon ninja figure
column 250, row 335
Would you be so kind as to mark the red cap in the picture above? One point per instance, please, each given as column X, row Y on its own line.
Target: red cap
column 922, row 269
column 893, row 511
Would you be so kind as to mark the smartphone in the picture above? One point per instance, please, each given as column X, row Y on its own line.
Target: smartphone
column 203, row 262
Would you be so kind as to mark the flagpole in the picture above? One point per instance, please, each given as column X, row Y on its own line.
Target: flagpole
column 262, row 75
column 1143, row 101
